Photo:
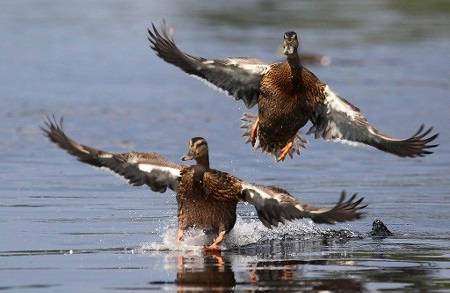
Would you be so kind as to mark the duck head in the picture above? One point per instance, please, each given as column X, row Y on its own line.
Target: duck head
column 290, row 43
column 198, row 151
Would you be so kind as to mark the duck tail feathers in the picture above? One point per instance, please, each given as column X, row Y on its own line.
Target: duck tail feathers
column 248, row 120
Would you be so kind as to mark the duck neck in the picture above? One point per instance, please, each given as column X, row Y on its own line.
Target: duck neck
column 203, row 161
column 296, row 68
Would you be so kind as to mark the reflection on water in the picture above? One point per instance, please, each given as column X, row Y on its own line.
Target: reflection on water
column 332, row 260
column 354, row 265
column 215, row 273
column 340, row 269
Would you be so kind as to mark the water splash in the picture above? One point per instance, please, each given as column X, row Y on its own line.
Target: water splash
column 193, row 240
column 243, row 234
column 253, row 232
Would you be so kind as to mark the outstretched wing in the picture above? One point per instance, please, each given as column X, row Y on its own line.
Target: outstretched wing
column 138, row 168
column 275, row 205
column 238, row 77
column 337, row 119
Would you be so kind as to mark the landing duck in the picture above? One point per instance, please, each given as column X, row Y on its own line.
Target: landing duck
column 207, row 198
column 288, row 96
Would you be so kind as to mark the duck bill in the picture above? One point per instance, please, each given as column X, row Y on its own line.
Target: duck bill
column 288, row 50
column 187, row 158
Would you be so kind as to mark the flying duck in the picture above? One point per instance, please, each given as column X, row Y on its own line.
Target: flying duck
column 206, row 198
column 288, row 96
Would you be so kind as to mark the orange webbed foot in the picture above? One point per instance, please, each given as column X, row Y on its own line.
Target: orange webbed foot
column 285, row 150
column 212, row 247
column 215, row 245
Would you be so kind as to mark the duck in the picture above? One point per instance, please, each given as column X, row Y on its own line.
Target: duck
column 206, row 198
column 288, row 96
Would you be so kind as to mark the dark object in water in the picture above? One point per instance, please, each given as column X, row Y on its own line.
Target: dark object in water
column 379, row 229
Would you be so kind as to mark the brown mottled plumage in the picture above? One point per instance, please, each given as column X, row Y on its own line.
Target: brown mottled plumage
column 207, row 198
column 207, row 204
column 283, row 106
column 288, row 96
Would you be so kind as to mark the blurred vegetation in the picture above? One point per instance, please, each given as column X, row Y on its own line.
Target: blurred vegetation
column 371, row 21
column 427, row 7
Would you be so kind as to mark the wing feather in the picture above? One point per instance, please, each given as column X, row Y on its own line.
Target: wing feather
column 138, row 168
column 238, row 77
column 336, row 118
column 275, row 205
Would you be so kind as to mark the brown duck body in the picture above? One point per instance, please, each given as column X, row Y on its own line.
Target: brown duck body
column 207, row 199
column 289, row 95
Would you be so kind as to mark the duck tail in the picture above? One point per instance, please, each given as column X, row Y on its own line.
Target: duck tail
column 249, row 119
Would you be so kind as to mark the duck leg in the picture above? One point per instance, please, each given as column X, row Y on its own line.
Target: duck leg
column 285, row 150
column 180, row 234
column 218, row 240
column 253, row 132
